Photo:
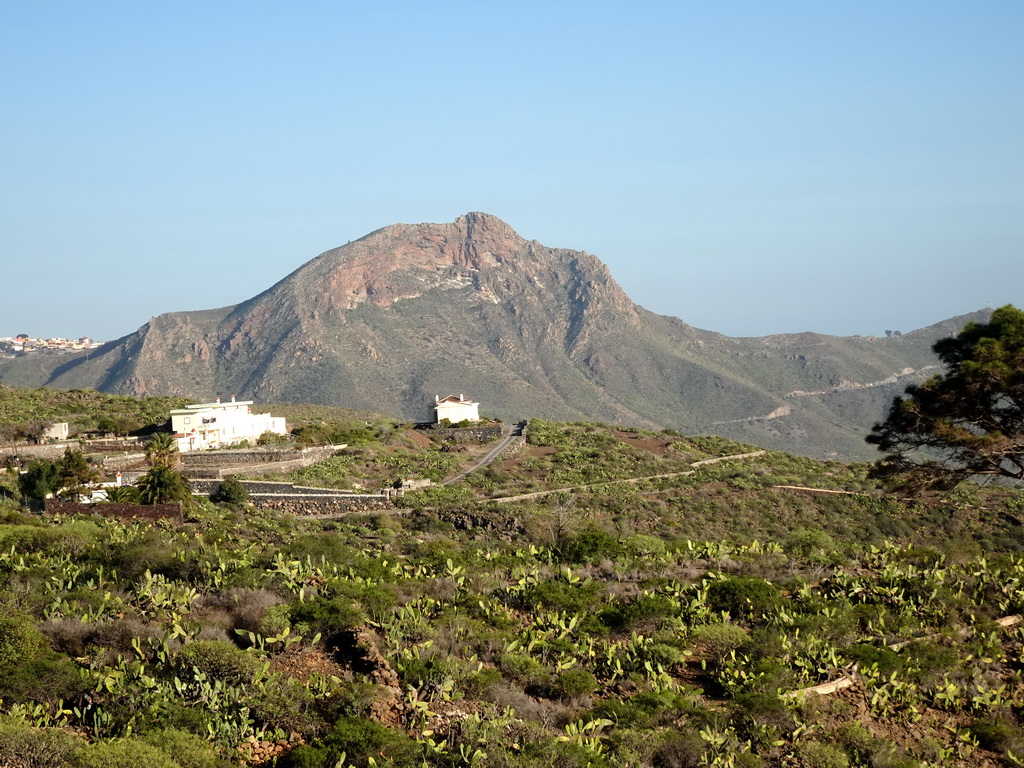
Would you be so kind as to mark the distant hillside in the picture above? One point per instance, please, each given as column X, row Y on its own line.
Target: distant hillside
column 83, row 409
column 412, row 311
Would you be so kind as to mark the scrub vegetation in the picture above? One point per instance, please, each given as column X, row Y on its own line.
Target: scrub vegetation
column 661, row 600
column 23, row 409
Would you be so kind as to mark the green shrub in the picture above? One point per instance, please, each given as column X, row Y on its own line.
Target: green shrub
column 589, row 546
column 680, row 750
column 359, row 740
column 20, row 640
column 480, row 683
column 643, row 545
column 563, row 754
column 275, row 620
column 575, row 683
column 664, row 654
column 886, row 659
column 869, row 750
column 223, row 661
column 745, row 598
column 188, row 750
column 998, row 735
column 152, row 551
column 719, row 639
column 230, row 491
column 122, row 753
column 328, row 616
column 647, row 608
column 524, row 669
column 809, row 544
column 286, row 704
column 35, row 747
column 49, row 678
column 766, row 710
column 306, row 756
column 316, row 546
column 560, row 595
column 376, row 600
column 815, row 754
column 646, row 709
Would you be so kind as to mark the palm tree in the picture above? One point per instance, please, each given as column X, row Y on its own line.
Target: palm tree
column 164, row 485
column 162, row 450
column 123, row 494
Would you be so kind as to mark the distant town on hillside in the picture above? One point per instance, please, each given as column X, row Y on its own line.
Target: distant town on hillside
column 24, row 344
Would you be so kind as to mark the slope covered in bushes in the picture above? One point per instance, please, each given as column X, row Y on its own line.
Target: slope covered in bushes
column 671, row 621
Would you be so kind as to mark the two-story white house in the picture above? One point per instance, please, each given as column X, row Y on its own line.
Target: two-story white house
column 216, row 425
column 455, row 409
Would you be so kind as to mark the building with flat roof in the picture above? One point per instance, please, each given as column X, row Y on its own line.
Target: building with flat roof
column 216, row 425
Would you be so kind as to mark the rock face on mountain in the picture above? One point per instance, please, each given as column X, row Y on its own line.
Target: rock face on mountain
column 412, row 311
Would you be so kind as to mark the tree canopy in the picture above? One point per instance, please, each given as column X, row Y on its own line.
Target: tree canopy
column 967, row 421
column 163, row 485
column 65, row 475
column 162, row 450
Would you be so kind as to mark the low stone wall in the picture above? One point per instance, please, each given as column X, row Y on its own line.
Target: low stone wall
column 514, row 447
column 119, row 461
column 29, row 451
column 220, row 464
column 466, row 434
column 323, row 506
column 258, row 456
column 119, row 511
column 105, row 444
column 206, row 487
column 301, row 499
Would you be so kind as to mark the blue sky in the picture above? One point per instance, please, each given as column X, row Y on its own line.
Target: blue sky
column 749, row 167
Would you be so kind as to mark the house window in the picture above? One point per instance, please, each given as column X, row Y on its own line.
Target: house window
column 188, row 419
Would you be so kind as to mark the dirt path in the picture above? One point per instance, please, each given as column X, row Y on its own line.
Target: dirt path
column 701, row 463
column 495, row 452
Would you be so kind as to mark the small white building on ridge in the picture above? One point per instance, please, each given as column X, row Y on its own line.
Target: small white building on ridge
column 57, row 431
column 455, row 409
column 216, row 425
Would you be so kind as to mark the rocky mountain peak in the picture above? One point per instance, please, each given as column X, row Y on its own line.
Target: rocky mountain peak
column 404, row 261
column 486, row 240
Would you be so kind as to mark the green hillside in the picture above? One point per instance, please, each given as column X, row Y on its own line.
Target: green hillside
column 83, row 409
column 660, row 600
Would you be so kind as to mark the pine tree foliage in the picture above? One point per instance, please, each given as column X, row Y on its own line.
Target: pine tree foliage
column 967, row 421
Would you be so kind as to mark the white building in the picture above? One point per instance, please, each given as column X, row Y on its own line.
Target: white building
column 57, row 431
column 455, row 409
column 216, row 425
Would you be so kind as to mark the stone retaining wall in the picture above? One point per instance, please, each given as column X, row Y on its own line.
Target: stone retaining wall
column 323, row 506
column 120, row 511
column 466, row 434
column 111, row 444
column 206, row 487
column 258, row 456
column 216, row 465
column 119, row 461
column 51, row 452
column 514, row 447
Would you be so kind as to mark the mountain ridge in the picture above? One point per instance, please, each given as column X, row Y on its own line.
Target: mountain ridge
column 408, row 311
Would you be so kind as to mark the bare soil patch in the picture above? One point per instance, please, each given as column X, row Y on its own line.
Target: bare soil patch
column 418, row 438
column 655, row 445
